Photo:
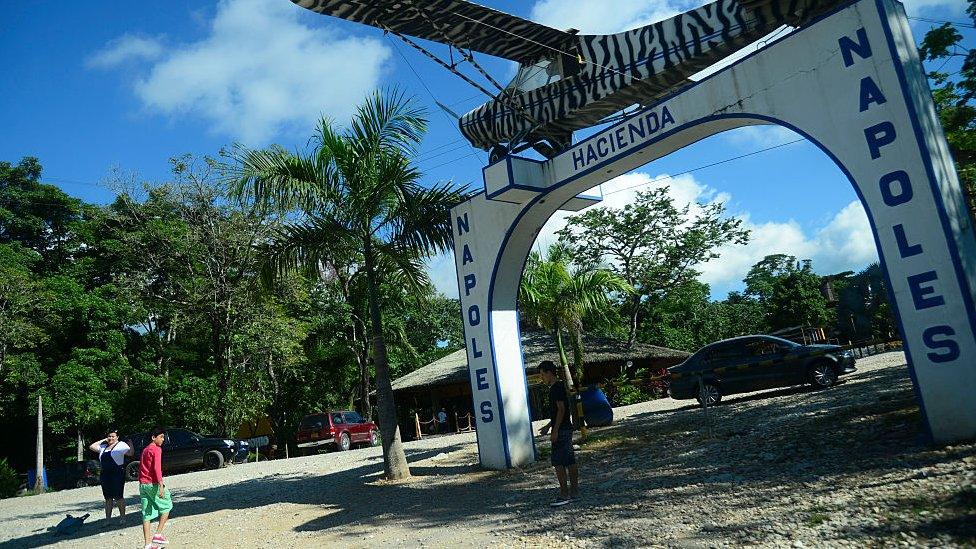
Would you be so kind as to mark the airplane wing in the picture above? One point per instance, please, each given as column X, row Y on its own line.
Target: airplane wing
column 456, row 22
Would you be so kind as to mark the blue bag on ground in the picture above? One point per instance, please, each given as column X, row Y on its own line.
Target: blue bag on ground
column 70, row 525
column 596, row 408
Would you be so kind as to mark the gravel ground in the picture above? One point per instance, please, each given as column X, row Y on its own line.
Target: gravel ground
column 787, row 468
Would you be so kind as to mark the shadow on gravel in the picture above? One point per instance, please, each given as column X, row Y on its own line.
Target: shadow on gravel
column 665, row 477
column 348, row 488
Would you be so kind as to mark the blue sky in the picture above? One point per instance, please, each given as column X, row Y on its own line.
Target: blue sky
column 92, row 87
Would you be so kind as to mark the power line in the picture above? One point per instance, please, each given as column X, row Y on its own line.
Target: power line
column 741, row 156
column 430, row 93
column 956, row 23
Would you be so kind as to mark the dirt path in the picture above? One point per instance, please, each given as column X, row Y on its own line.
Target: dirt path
column 791, row 468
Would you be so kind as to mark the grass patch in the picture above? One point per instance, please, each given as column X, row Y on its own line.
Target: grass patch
column 816, row 519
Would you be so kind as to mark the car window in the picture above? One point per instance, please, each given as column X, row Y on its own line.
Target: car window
column 179, row 437
column 354, row 417
column 314, row 421
column 726, row 353
column 337, row 419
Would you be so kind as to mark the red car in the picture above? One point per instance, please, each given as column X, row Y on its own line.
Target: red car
column 339, row 430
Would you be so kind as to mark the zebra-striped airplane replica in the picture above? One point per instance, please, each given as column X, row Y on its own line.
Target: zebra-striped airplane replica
column 568, row 81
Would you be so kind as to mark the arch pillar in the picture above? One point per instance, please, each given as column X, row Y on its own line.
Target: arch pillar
column 852, row 84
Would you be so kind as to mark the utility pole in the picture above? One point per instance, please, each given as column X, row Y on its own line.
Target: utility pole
column 39, row 464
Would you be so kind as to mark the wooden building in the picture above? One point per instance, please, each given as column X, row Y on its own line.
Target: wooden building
column 444, row 383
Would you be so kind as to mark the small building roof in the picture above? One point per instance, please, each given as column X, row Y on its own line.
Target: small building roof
column 536, row 347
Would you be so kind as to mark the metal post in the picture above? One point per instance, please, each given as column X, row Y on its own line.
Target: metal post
column 704, row 403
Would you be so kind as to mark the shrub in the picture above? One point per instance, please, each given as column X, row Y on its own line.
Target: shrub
column 9, row 481
column 627, row 391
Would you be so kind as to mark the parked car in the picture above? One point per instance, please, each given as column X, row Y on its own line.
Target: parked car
column 753, row 363
column 64, row 476
column 335, row 429
column 184, row 450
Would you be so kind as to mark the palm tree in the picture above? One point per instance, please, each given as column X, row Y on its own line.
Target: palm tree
column 558, row 297
column 356, row 193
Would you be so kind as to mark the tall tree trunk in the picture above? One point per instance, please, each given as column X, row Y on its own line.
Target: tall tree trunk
column 81, row 445
column 577, row 343
column 39, row 462
column 564, row 362
column 632, row 326
column 394, row 459
column 223, row 371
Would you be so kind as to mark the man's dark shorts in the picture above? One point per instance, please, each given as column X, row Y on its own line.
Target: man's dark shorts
column 562, row 450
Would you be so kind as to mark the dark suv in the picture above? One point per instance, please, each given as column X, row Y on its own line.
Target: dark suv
column 753, row 363
column 184, row 450
column 335, row 429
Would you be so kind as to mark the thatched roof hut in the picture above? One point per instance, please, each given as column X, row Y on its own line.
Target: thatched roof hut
column 605, row 358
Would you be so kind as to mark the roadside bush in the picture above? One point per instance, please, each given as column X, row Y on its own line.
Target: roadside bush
column 9, row 481
column 626, row 391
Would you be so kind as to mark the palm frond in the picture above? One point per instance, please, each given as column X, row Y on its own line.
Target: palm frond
column 388, row 121
column 276, row 179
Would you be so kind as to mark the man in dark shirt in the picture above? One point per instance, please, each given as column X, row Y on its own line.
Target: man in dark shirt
column 560, row 428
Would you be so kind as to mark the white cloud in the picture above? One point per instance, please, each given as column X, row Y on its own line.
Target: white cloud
column 767, row 135
column 924, row 7
column 844, row 242
column 124, row 49
column 260, row 72
column 599, row 17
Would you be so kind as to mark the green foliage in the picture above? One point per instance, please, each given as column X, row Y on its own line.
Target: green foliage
column 651, row 243
column 953, row 94
column 356, row 213
column 627, row 392
column 556, row 297
column 789, row 292
column 9, row 481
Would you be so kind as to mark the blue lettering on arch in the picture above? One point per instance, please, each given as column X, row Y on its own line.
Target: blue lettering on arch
column 847, row 47
column 487, row 415
column 919, row 289
column 905, row 192
column 475, row 352
column 666, row 117
column 462, row 224
column 466, row 256
column 469, row 283
column 870, row 93
column 481, row 377
column 578, row 160
column 474, row 315
column 947, row 344
column 879, row 135
column 904, row 248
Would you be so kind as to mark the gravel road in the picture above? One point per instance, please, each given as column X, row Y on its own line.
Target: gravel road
column 787, row 468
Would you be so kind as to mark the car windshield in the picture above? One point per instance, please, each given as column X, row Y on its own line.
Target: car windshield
column 354, row 417
column 314, row 421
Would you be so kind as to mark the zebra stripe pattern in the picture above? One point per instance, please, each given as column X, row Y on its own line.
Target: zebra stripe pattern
column 456, row 22
column 635, row 66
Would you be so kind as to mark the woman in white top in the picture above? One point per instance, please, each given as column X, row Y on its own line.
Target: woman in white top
column 111, row 455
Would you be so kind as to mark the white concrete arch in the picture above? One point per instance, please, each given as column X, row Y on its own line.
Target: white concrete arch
column 852, row 84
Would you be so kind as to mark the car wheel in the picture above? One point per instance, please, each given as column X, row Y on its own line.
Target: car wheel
column 708, row 395
column 344, row 442
column 213, row 460
column 374, row 438
column 823, row 375
column 132, row 471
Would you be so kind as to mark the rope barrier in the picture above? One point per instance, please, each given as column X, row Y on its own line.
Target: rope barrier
column 457, row 423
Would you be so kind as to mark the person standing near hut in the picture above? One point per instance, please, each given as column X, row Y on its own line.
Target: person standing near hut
column 560, row 429
column 111, row 456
